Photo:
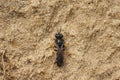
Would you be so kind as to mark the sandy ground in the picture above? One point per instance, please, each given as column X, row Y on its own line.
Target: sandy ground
column 91, row 30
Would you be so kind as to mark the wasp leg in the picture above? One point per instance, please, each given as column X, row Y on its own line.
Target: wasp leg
column 62, row 47
column 55, row 48
column 55, row 62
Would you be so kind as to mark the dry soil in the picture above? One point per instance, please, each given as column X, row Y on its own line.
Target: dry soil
column 91, row 30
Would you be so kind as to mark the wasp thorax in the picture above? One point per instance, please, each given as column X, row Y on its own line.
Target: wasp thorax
column 59, row 42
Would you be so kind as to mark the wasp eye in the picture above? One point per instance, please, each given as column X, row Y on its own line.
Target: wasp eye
column 58, row 35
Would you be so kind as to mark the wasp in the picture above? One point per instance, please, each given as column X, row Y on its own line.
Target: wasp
column 59, row 48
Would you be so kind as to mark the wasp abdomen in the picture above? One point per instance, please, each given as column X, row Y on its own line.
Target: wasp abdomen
column 59, row 60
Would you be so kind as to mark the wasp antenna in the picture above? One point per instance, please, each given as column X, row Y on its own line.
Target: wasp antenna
column 59, row 30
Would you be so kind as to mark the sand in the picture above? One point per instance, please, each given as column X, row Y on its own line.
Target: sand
column 91, row 30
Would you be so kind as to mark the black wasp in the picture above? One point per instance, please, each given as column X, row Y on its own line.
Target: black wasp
column 59, row 48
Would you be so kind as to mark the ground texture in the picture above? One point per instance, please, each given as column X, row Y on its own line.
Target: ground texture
column 91, row 30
